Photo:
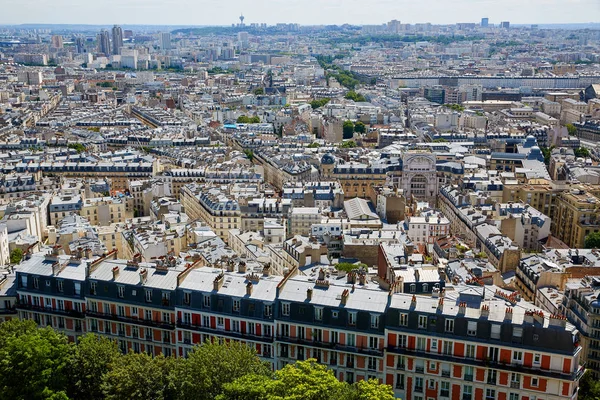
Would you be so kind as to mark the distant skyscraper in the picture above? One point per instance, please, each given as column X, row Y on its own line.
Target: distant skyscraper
column 393, row 26
column 505, row 24
column 242, row 20
column 117, row 37
column 127, row 33
column 103, row 42
column 80, row 44
column 485, row 22
column 164, row 41
column 57, row 41
column 243, row 39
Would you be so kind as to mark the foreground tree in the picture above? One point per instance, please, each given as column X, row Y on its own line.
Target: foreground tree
column 33, row 362
column 93, row 357
column 209, row 366
column 592, row 241
column 138, row 376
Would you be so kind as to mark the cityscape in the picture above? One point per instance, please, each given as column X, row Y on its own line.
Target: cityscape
column 412, row 206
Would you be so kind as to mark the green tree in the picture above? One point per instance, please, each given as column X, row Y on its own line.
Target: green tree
column 16, row 256
column 259, row 91
column 249, row 153
column 589, row 388
column 440, row 140
column 592, row 241
column 582, row 152
column 360, row 127
column 347, row 267
column 313, row 145
column 352, row 95
column 33, row 362
column 571, row 129
column 372, row 390
column 319, row 103
column 455, row 107
column 92, row 359
column 243, row 119
column 348, row 144
column 77, row 146
column 208, row 367
column 348, row 129
column 139, row 376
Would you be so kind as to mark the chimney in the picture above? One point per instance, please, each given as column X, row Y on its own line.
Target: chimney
column 79, row 253
column 266, row 270
column 538, row 316
column 351, row 277
column 137, row 258
column 309, row 293
column 508, row 314
column 249, row 289
column 417, row 276
column 528, row 318
column 88, row 253
column 218, row 281
column 413, row 301
column 230, row 266
column 362, row 279
column 143, row 276
column 485, row 311
column 462, row 307
column 115, row 272
column 242, row 267
column 558, row 320
column 321, row 274
column 345, row 295
column 440, row 306
column 55, row 268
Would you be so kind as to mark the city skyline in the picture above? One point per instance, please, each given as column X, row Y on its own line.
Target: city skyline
column 154, row 12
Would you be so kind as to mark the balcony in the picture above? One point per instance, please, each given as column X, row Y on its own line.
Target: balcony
column 132, row 320
column 419, row 370
column 418, row 389
column 222, row 332
column 469, row 378
column 401, row 367
column 446, row 374
column 444, row 393
column 48, row 310
column 515, row 385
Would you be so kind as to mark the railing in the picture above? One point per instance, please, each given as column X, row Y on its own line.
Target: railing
column 222, row 332
column 469, row 378
column 446, row 374
column 419, row 389
column 68, row 313
column 419, row 370
column 515, row 385
column 132, row 320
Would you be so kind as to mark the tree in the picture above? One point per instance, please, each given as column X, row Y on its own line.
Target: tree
column 348, row 129
column 589, row 388
column 440, row 140
column 349, row 144
column 592, row 241
column 313, row 145
column 33, row 362
column 582, row 152
column 259, row 91
column 319, row 103
column 138, row 376
column 93, row 358
column 372, row 390
column 77, row 146
column 208, row 367
column 352, row 95
column 16, row 256
column 249, row 153
column 347, row 267
column 360, row 127
column 571, row 129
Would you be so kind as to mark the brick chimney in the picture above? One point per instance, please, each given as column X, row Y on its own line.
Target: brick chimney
column 345, row 295
column 309, row 293
column 218, row 281
column 249, row 289
column 242, row 267
column 143, row 276
column 115, row 272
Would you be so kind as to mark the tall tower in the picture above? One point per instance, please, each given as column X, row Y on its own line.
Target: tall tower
column 103, row 42
column 117, row 36
column 242, row 20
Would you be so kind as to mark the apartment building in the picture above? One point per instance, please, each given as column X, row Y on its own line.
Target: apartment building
column 104, row 211
column 575, row 217
column 425, row 229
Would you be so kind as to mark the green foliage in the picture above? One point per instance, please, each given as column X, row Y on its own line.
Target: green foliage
column 582, row 152
column 319, row 103
column 348, row 144
column 210, row 366
column 92, row 359
column 33, row 362
column 259, row 91
column 348, row 129
column 571, row 129
column 347, row 267
column 244, row 119
column 249, row 153
column 217, row 70
column 481, row 254
column 360, row 127
column 77, row 146
column 138, row 376
column 352, row 95
column 589, row 388
column 104, row 84
column 547, row 152
column 455, row 107
column 440, row 140
column 592, row 241
column 372, row 389
column 313, row 145
column 16, row 255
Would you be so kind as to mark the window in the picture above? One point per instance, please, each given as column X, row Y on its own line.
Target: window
column 492, row 375
column 449, row 325
column 536, row 359
column 515, row 381
column 206, row 300
column 285, row 309
column 513, row 396
column 251, row 328
column 372, row 363
column 235, row 326
column 472, row 328
column 534, row 382
column 220, row 322
column 374, row 321
column 517, row 356
column 187, row 318
column 285, row 330
column 468, row 373
column 121, row 291
column 205, row 320
column 422, row 321
column 413, row 288
column 431, row 383
column 445, row 389
column 60, row 286
column 36, row 283
column 421, row 343
column 467, row 392
column 148, row 315
column 517, row 332
column 495, row 334
column 60, row 304
column 434, row 345
column 419, row 384
column 301, row 332
column 318, row 313
column 351, row 339
column 400, row 381
column 187, row 298
column 236, row 306
column 148, row 296
column 470, row 351
column 335, row 337
column 448, row 347
column 373, row 342
column 166, row 317
column 120, row 311
column 268, row 310
column 93, row 286
column 334, row 314
column 352, row 318
column 402, row 340
column 403, row 319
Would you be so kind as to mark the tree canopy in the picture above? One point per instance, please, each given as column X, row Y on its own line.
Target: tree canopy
column 243, row 119
column 319, row 103
column 16, row 255
column 352, row 95
column 348, row 129
column 360, row 127
column 582, row 152
column 592, row 241
column 571, row 129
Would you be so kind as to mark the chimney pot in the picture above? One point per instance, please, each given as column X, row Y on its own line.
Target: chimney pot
column 249, row 289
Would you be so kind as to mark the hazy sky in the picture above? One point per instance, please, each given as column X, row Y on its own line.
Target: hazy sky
column 306, row 12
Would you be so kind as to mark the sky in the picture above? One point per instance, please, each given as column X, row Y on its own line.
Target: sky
column 305, row 12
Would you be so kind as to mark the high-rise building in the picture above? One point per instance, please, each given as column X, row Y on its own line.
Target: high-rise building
column 80, row 44
column 485, row 22
column 117, row 37
column 164, row 41
column 393, row 26
column 505, row 24
column 103, row 42
column 57, row 41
